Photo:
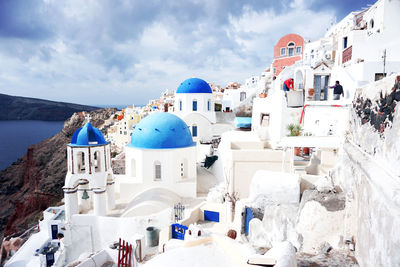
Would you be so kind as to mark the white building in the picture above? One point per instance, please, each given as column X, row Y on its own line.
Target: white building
column 89, row 181
column 162, row 154
column 361, row 48
column 194, row 103
column 120, row 133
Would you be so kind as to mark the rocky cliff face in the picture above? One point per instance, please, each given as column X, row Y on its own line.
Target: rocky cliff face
column 35, row 181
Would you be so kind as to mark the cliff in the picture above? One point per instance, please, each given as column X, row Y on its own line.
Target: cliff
column 35, row 181
column 25, row 108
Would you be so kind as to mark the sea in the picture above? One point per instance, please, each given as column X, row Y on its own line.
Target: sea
column 16, row 136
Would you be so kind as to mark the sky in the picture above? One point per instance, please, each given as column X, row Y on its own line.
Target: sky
column 115, row 52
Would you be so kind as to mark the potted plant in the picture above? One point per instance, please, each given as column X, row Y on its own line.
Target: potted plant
column 295, row 130
column 306, row 150
column 262, row 95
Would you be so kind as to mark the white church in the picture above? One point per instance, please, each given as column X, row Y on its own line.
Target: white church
column 194, row 103
column 161, row 154
column 90, row 181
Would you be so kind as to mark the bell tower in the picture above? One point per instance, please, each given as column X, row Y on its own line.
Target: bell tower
column 89, row 183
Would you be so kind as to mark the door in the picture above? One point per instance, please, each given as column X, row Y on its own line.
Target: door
column 242, row 96
column 211, row 216
column 249, row 215
column 326, row 84
column 317, row 86
column 54, row 231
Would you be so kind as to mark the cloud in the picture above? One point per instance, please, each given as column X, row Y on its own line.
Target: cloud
column 122, row 52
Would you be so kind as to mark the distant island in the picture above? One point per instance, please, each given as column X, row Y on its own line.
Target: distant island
column 26, row 108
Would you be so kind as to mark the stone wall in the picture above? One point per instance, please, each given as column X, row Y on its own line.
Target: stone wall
column 368, row 173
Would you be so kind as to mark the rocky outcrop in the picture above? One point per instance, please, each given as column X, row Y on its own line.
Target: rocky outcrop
column 118, row 164
column 35, row 181
column 25, row 108
column 379, row 112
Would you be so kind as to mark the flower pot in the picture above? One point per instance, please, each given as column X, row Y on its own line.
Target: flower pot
column 297, row 151
column 306, row 151
column 311, row 91
column 263, row 95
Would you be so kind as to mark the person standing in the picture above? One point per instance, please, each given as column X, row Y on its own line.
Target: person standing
column 337, row 91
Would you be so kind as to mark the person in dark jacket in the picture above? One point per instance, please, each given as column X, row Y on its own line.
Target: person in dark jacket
column 337, row 91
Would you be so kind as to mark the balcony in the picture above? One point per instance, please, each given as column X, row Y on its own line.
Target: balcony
column 347, row 54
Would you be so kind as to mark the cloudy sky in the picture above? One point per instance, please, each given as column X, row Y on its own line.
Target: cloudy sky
column 123, row 52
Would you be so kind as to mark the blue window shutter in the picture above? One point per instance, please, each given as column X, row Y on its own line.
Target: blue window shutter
column 194, row 131
column 194, row 105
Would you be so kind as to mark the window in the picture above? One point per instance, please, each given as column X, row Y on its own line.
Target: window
column 371, row 23
column 180, row 105
column 97, row 166
column 194, row 105
column 81, row 162
column 379, row 76
column 194, row 130
column 274, row 71
column 209, row 105
column 264, row 120
column 291, row 49
column 298, row 50
column 157, row 171
column 242, row 96
column 183, row 168
column 344, row 42
column 283, row 51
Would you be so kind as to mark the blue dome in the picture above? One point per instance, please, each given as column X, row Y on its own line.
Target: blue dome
column 88, row 136
column 194, row 86
column 161, row 130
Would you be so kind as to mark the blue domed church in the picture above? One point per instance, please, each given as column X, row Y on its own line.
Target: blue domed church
column 161, row 154
column 194, row 103
column 89, row 183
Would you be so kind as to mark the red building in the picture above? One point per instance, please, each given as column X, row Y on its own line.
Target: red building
column 287, row 51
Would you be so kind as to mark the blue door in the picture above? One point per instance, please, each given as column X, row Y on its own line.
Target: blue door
column 211, row 216
column 317, row 86
column 249, row 215
column 178, row 231
column 54, row 231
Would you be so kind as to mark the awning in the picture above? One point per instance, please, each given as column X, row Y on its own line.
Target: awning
column 243, row 122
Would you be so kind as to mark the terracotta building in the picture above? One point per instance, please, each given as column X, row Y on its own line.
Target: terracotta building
column 287, row 51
